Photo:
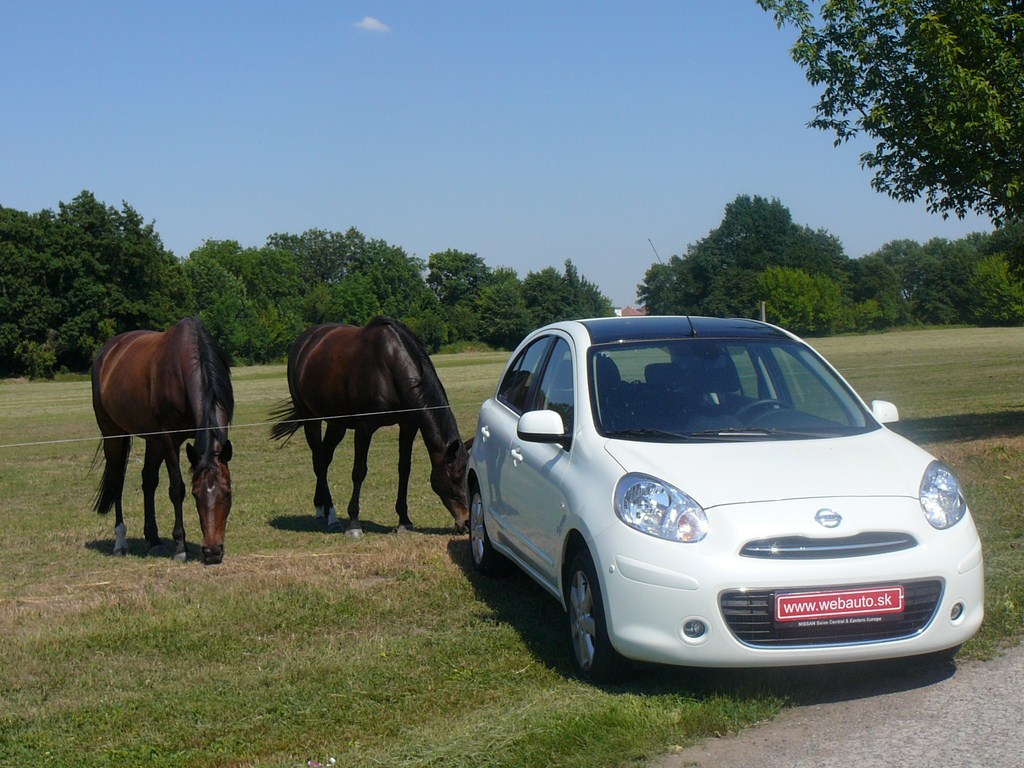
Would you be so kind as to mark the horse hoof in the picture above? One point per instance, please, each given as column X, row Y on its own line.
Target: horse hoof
column 121, row 552
column 354, row 533
column 405, row 528
column 180, row 557
column 335, row 527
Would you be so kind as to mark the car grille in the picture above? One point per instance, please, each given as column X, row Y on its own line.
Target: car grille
column 749, row 616
column 807, row 548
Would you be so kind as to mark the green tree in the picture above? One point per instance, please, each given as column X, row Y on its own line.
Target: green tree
column 663, row 290
column 936, row 84
column 503, row 315
column 252, row 298
column 321, row 256
column 941, row 272
column 30, row 304
column 349, row 301
column 71, row 280
column 803, row 303
column 875, row 289
column 719, row 276
column 997, row 296
column 551, row 296
column 457, row 278
column 587, row 297
column 395, row 277
column 219, row 297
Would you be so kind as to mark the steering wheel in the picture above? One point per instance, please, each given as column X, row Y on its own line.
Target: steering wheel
column 767, row 406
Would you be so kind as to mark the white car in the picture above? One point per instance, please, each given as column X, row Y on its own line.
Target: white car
column 711, row 492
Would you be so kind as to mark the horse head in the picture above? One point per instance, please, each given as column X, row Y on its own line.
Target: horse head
column 211, row 488
column 448, row 479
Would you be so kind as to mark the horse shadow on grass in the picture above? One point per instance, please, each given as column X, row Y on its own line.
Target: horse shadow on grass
column 311, row 524
column 516, row 600
column 139, row 547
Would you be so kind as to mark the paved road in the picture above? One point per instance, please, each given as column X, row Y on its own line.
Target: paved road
column 967, row 716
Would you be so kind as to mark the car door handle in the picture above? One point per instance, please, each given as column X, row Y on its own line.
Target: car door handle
column 485, row 432
column 517, row 455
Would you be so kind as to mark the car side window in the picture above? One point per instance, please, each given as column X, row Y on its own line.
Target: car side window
column 520, row 377
column 557, row 391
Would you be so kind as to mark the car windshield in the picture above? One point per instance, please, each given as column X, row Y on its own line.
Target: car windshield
column 719, row 389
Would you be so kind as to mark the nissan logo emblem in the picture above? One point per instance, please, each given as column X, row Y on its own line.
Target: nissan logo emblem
column 828, row 518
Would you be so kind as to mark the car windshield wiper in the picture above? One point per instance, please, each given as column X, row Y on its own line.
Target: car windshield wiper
column 732, row 433
column 642, row 432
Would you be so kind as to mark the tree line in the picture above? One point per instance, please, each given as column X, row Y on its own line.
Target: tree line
column 810, row 286
column 72, row 278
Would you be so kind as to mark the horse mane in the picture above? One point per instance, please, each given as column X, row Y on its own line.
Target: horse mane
column 215, row 374
column 429, row 392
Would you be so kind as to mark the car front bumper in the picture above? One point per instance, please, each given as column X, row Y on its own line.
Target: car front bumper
column 659, row 594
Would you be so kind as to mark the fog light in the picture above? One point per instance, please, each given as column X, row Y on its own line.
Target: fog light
column 957, row 612
column 694, row 628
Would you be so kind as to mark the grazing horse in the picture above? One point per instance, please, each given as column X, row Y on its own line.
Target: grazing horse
column 167, row 387
column 363, row 378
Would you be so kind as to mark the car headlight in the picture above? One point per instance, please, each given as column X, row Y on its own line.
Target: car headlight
column 941, row 498
column 659, row 509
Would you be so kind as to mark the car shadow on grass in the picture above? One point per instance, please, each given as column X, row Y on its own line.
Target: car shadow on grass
column 519, row 602
column 962, row 427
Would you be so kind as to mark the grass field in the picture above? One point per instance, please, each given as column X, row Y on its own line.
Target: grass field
column 389, row 650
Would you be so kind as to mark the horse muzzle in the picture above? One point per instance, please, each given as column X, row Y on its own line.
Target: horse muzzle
column 213, row 555
column 461, row 516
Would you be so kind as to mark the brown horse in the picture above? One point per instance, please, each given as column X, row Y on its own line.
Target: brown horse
column 166, row 387
column 364, row 378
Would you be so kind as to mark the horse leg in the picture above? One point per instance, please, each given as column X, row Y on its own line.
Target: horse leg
column 150, row 481
column 115, row 454
column 362, row 450
column 176, row 491
column 406, row 435
column 322, row 448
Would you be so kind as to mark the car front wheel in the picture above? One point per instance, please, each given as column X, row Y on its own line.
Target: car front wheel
column 595, row 658
column 486, row 559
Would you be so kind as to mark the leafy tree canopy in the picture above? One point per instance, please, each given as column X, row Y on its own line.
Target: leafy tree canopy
column 719, row 275
column 937, row 84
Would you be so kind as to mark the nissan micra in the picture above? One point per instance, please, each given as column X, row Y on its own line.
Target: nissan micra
column 711, row 492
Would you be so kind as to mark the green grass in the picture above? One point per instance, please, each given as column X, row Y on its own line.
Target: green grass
column 389, row 650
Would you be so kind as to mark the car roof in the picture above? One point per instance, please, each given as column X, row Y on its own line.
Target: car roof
column 609, row 330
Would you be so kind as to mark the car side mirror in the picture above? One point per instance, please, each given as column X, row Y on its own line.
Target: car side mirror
column 884, row 411
column 543, row 427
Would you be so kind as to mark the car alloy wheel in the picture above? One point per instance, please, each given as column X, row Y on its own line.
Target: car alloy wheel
column 485, row 558
column 595, row 658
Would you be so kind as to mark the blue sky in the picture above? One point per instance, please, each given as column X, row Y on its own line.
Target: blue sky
column 525, row 132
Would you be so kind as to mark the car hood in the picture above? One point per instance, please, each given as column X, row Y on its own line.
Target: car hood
column 880, row 463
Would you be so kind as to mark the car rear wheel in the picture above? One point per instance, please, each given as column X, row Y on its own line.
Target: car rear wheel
column 486, row 559
column 595, row 658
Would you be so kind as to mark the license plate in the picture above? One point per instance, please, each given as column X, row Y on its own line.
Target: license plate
column 838, row 604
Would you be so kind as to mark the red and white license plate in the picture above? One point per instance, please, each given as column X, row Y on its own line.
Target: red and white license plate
column 839, row 604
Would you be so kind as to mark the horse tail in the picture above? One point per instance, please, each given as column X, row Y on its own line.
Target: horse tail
column 286, row 413
column 288, row 422
column 112, row 482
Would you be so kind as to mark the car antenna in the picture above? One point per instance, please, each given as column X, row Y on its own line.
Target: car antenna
column 655, row 250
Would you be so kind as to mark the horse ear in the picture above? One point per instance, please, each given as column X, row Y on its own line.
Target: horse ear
column 225, row 452
column 451, row 451
column 469, row 443
column 190, row 451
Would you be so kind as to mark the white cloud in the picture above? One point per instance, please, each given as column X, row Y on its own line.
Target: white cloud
column 371, row 24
